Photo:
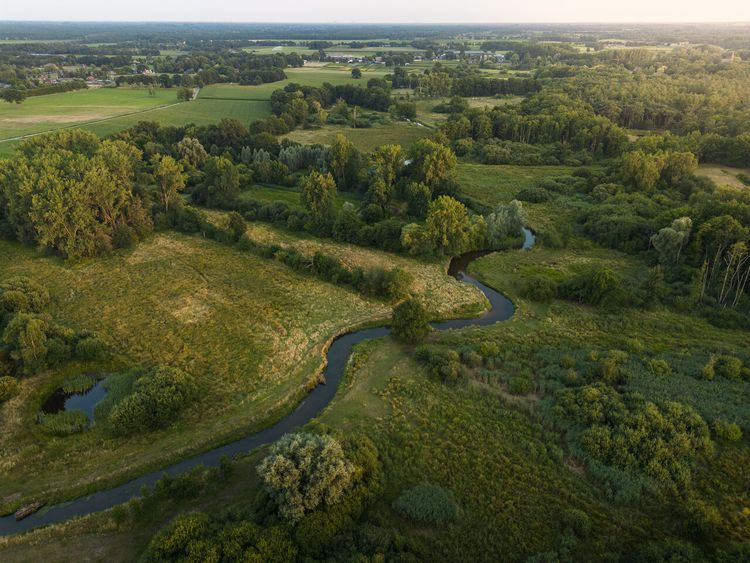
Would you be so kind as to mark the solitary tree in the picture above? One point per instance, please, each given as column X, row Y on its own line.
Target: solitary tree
column 409, row 321
column 304, row 472
column 169, row 178
column 356, row 73
column 506, row 220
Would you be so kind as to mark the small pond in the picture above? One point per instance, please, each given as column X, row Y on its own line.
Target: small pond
column 84, row 401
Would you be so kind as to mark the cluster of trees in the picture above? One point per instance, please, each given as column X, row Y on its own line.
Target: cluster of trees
column 305, row 103
column 316, row 488
column 73, row 194
column 542, row 119
column 30, row 340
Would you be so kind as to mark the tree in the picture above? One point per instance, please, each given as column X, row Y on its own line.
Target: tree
column 169, row 178
column 356, row 72
column 319, row 194
column 13, row 95
column 409, row 321
column 185, row 94
column 670, row 241
column 387, row 163
column 434, row 165
column 68, row 191
column 221, row 182
column 191, row 151
column 343, row 161
column 447, row 226
column 505, row 221
column 304, row 472
column 26, row 336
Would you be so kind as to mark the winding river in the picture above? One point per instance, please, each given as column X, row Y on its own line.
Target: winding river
column 501, row 308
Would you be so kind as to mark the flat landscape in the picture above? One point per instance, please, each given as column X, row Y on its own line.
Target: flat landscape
column 493, row 305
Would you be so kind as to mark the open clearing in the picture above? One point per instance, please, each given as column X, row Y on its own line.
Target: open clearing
column 251, row 330
column 724, row 175
column 398, row 132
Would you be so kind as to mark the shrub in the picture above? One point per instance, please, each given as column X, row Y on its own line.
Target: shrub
column 540, row 288
column 728, row 367
column 124, row 236
column 409, row 321
column 520, row 385
column 8, row 388
column 305, row 471
column 66, row 422
column 727, row 430
column 22, row 295
column 427, row 503
column 577, row 521
column 158, row 395
column 708, row 371
column 659, row 367
column 489, row 349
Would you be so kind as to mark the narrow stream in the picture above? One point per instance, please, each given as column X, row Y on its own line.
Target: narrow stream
column 501, row 308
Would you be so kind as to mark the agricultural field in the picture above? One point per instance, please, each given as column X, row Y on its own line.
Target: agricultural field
column 45, row 113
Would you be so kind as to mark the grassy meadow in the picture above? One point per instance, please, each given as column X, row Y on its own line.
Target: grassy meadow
column 176, row 300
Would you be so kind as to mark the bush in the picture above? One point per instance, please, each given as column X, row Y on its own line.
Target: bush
column 305, row 471
column 158, row 395
column 90, row 348
column 22, row 295
column 659, row 367
column 708, row 371
column 427, row 503
column 577, row 521
column 8, row 388
column 520, row 385
column 728, row 367
column 65, row 423
column 727, row 430
column 124, row 236
column 540, row 288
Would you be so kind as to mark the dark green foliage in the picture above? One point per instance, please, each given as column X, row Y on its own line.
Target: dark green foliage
column 427, row 503
column 409, row 321
column 145, row 400
column 540, row 288
column 443, row 364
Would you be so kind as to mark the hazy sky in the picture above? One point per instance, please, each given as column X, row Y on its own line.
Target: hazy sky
column 383, row 11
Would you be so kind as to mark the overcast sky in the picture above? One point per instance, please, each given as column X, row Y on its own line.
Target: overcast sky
column 380, row 11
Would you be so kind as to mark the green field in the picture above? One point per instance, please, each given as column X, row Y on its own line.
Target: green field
column 291, row 196
column 44, row 113
column 108, row 110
